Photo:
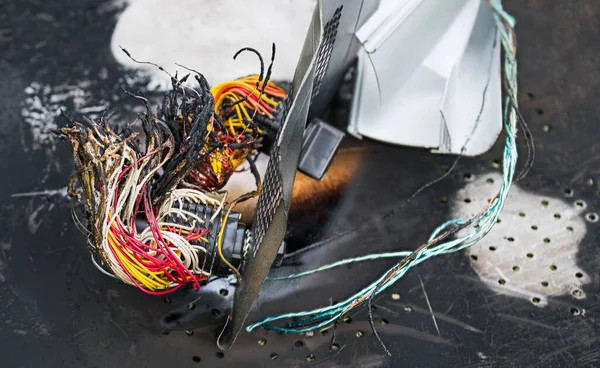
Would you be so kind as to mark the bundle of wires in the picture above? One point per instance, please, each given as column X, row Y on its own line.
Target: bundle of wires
column 451, row 236
column 243, row 105
column 133, row 189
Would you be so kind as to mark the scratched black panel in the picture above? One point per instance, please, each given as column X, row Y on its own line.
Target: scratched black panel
column 57, row 310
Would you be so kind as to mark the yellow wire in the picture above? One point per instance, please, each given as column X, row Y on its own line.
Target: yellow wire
column 151, row 280
column 224, row 224
column 220, row 245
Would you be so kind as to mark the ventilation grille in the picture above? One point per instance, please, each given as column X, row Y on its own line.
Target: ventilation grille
column 270, row 197
column 325, row 50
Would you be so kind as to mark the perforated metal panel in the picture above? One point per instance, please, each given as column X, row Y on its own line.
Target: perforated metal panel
column 271, row 196
column 325, row 50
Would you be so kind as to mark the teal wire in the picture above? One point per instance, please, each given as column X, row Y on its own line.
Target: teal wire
column 342, row 262
column 368, row 257
column 326, row 316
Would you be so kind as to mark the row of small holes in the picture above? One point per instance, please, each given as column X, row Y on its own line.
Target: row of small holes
column 516, row 268
column 539, row 111
column 220, row 355
column 590, row 217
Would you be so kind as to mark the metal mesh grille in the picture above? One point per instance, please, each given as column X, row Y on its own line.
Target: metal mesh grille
column 325, row 50
column 270, row 196
column 272, row 190
column 287, row 104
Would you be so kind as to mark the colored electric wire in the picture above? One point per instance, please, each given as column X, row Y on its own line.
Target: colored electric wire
column 468, row 231
column 122, row 181
column 343, row 262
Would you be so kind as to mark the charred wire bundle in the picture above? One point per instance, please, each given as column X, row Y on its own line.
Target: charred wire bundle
column 154, row 218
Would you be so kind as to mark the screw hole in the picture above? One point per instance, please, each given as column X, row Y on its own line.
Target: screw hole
column 579, row 275
column 499, row 220
column 516, row 268
column 196, row 359
column 502, row 281
column 539, row 111
column 510, row 239
column 467, row 200
column 492, row 248
column 546, row 240
column 553, row 267
column 547, row 128
column 545, row 203
column 347, row 319
column 534, row 227
column 223, row 292
column 536, row 300
column 324, row 332
column 580, row 204
column 384, row 322
column 407, row 309
column 577, row 293
column 468, row 176
column 359, row 334
column 575, row 311
column 569, row 228
column 557, row 215
column 474, row 257
column 529, row 255
column 274, row 356
column 298, row 344
column 444, row 200
column 262, row 342
column 545, row 283
column 335, row 346
column 589, row 181
column 310, row 357
column 521, row 214
column 591, row 217
column 568, row 192
column 395, row 296
column 189, row 332
column 490, row 181
column 220, row 355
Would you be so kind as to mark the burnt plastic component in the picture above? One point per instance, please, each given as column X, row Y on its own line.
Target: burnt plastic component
column 233, row 238
column 321, row 142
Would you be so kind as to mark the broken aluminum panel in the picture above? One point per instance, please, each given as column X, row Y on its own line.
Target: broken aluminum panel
column 428, row 75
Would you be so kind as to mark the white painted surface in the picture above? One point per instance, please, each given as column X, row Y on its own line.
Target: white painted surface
column 42, row 107
column 205, row 34
column 428, row 75
column 555, row 242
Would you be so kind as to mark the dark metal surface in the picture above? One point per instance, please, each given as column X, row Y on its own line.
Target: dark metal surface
column 56, row 310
